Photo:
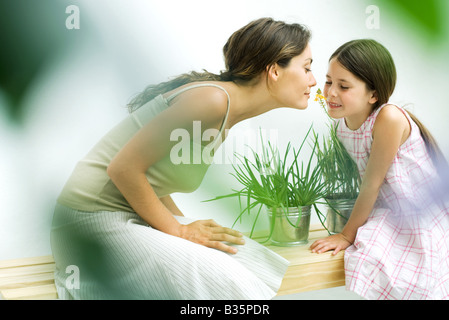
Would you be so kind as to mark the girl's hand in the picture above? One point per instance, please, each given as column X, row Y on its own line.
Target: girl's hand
column 212, row 235
column 337, row 242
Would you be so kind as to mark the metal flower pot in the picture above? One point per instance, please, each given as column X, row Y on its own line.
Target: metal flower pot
column 338, row 213
column 290, row 225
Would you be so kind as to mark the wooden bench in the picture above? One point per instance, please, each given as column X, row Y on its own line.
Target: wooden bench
column 28, row 279
column 310, row 271
column 32, row 278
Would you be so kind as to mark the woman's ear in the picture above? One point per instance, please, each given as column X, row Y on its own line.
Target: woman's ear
column 273, row 71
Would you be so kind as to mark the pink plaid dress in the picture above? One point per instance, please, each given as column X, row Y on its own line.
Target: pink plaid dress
column 402, row 251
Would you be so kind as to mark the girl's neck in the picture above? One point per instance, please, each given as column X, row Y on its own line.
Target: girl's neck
column 354, row 122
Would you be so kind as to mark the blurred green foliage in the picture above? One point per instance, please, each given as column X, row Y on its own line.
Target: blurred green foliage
column 424, row 16
column 32, row 33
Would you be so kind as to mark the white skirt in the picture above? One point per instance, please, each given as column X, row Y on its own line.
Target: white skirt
column 117, row 255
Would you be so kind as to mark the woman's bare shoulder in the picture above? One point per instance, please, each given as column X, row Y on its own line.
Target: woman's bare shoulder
column 207, row 103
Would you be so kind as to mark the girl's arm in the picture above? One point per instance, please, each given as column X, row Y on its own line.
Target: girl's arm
column 150, row 144
column 391, row 129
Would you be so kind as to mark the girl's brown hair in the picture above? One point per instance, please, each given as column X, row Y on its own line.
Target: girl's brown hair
column 371, row 62
column 247, row 53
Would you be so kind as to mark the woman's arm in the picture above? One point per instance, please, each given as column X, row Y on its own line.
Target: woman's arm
column 171, row 205
column 150, row 144
column 391, row 129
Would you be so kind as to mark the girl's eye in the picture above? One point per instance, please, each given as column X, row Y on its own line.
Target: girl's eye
column 308, row 70
column 329, row 83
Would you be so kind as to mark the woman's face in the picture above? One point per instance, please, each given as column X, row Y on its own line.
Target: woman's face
column 291, row 85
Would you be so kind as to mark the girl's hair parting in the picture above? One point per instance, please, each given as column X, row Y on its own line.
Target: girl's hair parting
column 371, row 62
column 247, row 53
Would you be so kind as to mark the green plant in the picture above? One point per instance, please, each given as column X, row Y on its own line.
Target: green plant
column 269, row 180
column 340, row 172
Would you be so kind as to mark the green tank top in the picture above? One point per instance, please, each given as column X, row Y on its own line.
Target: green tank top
column 89, row 187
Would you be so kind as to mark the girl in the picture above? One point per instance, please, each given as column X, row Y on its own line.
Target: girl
column 397, row 237
column 115, row 219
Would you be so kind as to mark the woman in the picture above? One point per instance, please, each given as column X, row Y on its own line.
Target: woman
column 115, row 218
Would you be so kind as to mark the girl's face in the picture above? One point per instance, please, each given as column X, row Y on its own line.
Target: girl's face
column 347, row 96
column 292, row 84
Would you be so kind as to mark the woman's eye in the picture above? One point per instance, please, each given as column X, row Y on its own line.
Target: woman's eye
column 344, row 88
column 308, row 70
column 328, row 83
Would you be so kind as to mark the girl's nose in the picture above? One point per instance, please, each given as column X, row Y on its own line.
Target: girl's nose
column 331, row 91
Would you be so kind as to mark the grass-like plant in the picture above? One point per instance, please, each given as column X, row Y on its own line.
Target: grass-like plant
column 339, row 170
column 270, row 180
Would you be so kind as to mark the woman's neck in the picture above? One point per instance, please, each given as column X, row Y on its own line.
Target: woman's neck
column 249, row 101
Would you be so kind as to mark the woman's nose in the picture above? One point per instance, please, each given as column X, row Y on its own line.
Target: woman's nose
column 312, row 80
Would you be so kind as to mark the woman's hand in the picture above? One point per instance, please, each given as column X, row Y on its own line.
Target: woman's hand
column 212, row 235
column 337, row 242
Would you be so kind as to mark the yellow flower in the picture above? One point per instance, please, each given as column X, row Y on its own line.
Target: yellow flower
column 321, row 100
column 319, row 96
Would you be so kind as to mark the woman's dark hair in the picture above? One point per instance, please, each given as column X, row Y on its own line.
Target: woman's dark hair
column 247, row 53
